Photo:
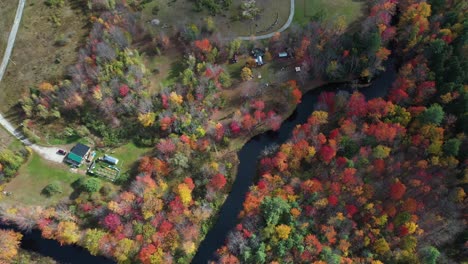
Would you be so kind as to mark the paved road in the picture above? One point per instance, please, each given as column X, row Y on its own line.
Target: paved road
column 283, row 28
column 48, row 153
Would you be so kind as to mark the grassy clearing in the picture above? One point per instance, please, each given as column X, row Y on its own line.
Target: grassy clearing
column 224, row 23
column 7, row 13
column 37, row 173
column 327, row 11
column 36, row 57
column 127, row 154
column 160, row 70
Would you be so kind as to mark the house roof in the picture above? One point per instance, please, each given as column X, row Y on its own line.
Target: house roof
column 80, row 150
column 74, row 158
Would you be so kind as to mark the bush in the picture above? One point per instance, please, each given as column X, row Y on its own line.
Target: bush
column 155, row 9
column 62, row 40
column 55, row 3
column 52, row 189
column 90, row 184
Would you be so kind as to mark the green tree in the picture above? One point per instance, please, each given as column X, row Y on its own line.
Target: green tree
column 429, row 255
column 234, row 47
column 274, row 209
column 225, row 79
column 433, row 115
column 452, row 147
column 381, row 152
column 52, row 189
column 348, row 147
column 90, row 184
column 260, row 255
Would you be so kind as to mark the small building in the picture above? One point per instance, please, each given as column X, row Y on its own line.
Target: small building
column 111, row 160
column 298, row 69
column 258, row 55
column 259, row 60
column 283, row 55
column 77, row 154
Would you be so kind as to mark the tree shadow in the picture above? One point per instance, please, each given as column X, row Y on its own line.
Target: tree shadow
column 76, row 190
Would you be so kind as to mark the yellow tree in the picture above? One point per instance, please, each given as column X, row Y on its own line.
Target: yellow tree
column 283, row 231
column 92, row 240
column 147, row 119
column 246, row 74
column 67, row 232
column 9, row 244
column 124, row 249
column 185, row 193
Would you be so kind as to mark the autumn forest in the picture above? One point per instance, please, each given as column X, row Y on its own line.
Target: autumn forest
column 364, row 179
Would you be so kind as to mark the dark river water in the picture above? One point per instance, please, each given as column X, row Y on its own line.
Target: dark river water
column 248, row 157
column 227, row 218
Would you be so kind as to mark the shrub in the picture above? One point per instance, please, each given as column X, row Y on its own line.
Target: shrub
column 55, row 3
column 52, row 189
column 90, row 184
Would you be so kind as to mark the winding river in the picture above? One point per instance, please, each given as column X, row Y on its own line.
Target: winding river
column 248, row 157
column 227, row 218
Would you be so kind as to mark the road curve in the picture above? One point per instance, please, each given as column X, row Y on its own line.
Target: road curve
column 48, row 153
column 283, row 28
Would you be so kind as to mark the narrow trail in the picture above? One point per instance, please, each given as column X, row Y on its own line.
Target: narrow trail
column 283, row 28
column 48, row 153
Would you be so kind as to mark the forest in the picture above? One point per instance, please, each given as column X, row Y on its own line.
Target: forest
column 378, row 180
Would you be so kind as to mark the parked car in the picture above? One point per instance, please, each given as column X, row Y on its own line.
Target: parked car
column 61, row 152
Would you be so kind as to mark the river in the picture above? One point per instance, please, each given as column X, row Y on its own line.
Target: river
column 248, row 157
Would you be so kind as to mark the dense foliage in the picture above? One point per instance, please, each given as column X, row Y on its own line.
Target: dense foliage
column 378, row 181
column 360, row 181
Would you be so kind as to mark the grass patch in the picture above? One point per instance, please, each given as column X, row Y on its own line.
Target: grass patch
column 36, row 174
column 127, row 154
column 327, row 11
column 7, row 13
column 271, row 11
column 36, row 56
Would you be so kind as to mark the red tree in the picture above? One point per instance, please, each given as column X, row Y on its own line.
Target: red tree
column 218, row 181
column 397, row 190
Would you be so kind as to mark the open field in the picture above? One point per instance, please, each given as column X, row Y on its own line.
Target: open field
column 127, row 154
column 273, row 14
column 327, row 11
column 7, row 15
column 33, row 177
column 36, row 56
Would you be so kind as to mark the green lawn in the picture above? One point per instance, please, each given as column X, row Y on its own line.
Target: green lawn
column 127, row 154
column 327, row 11
column 37, row 173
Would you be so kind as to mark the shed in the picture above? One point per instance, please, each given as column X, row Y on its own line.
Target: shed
column 110, row 160
column 259, row 60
